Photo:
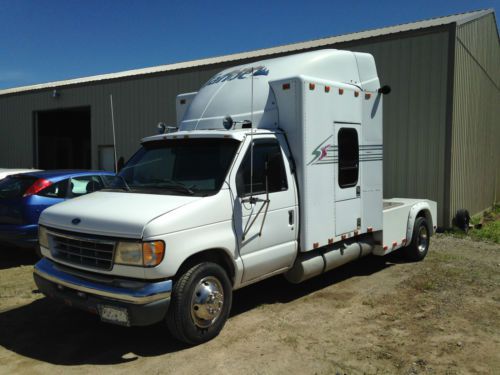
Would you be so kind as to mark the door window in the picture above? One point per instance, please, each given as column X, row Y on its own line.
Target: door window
column 267, row 162
column 348, row 157
column 84, row 185
column 57, row 190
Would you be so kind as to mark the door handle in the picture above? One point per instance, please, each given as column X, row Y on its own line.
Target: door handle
column 290, row 217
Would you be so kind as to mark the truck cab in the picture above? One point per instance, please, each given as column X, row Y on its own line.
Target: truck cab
column 276, row 168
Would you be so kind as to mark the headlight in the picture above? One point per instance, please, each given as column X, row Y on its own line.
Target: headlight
column 129, row 253
column 146, row 254
column 43, row 238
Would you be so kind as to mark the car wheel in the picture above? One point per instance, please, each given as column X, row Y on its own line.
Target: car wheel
column 419, row 245
column 200, row 305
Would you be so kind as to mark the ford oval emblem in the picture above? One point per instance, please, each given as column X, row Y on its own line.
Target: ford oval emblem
column 76, row 221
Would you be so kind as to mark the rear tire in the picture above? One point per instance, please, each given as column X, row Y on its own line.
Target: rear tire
column 200, row 305
column 419, row 245
column 462, row 219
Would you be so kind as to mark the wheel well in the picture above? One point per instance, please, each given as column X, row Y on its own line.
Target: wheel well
column 217, row 256
column 428, row 217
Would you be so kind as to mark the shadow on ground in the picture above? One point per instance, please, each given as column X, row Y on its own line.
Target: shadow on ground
column 52, row 332
column 11, row 256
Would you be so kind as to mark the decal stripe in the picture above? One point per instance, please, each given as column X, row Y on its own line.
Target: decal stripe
column 336, row 161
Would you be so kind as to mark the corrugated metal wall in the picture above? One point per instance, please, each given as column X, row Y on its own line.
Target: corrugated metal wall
column 416, row 68
column 475, row 147
column 414, row 113
column 139, row 105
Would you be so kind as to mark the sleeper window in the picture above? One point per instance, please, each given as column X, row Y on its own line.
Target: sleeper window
column 348, row 157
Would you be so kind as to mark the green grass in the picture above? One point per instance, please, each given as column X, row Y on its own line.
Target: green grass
column 489, row 231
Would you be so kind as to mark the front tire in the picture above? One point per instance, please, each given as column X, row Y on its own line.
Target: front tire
column 419, row 246
column 200, row 305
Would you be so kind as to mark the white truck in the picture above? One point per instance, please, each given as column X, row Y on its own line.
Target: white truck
column 276, row 168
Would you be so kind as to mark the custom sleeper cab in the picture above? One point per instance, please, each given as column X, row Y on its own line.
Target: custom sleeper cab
column 276, row 169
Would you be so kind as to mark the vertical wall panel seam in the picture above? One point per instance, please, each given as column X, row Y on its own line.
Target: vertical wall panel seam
column 449, row 125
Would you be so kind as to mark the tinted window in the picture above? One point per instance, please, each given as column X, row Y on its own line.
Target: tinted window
column 15, row 186
column 57, row 190
column 266, row 156
column 348, row 157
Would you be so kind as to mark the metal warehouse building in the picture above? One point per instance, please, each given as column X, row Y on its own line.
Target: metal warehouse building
column 441, row 120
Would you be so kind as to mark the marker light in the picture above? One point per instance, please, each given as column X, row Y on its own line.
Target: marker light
column 368, row 96
column 286, row 86
column 312, row 86
column 341, row 91
column 356, row 94
column 327, row 88
column 153, row 253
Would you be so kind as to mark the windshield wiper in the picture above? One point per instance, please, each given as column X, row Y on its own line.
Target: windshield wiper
column 172, row 185
column 124, row 187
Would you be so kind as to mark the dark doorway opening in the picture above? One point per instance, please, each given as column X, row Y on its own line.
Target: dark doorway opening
column 63, row 138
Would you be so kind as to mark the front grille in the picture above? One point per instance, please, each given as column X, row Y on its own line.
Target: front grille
column 83, row 251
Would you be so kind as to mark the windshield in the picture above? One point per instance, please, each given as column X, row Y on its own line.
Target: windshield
column 180, row 167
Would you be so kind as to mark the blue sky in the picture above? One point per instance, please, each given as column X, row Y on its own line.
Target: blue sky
column 51, row 40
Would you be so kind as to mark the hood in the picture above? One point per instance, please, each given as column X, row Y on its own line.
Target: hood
column 111, row 213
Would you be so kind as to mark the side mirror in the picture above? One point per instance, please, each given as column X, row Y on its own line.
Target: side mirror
column 384, row 90
column 120, row 164
column 228, row 122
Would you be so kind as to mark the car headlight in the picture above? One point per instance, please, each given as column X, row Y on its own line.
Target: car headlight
column 146, row 254
column 43, row 237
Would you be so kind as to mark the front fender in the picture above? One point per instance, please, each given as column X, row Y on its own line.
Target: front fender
column 181, row 245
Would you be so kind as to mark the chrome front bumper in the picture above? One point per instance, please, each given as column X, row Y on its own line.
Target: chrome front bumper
column 126, row 291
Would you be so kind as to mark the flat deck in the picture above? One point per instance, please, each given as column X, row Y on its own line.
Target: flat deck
column 388, row 205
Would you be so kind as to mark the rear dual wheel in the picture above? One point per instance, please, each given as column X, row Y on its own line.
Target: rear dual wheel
column 200, row 305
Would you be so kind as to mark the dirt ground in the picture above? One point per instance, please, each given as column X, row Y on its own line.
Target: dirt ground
column 375, row 316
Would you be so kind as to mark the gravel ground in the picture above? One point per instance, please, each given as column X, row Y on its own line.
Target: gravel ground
column 374, row 316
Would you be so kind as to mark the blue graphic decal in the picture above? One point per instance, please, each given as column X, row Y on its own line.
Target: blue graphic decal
column 239, row 74
column 261, row 71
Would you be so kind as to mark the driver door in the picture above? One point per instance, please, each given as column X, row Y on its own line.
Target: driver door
column 265, row 212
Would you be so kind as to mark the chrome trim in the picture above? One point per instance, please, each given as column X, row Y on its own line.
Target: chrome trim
column 207, row 302
column 81, row 238
column 151, row 292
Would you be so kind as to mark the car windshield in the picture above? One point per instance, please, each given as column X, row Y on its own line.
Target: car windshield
column 178, row 167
